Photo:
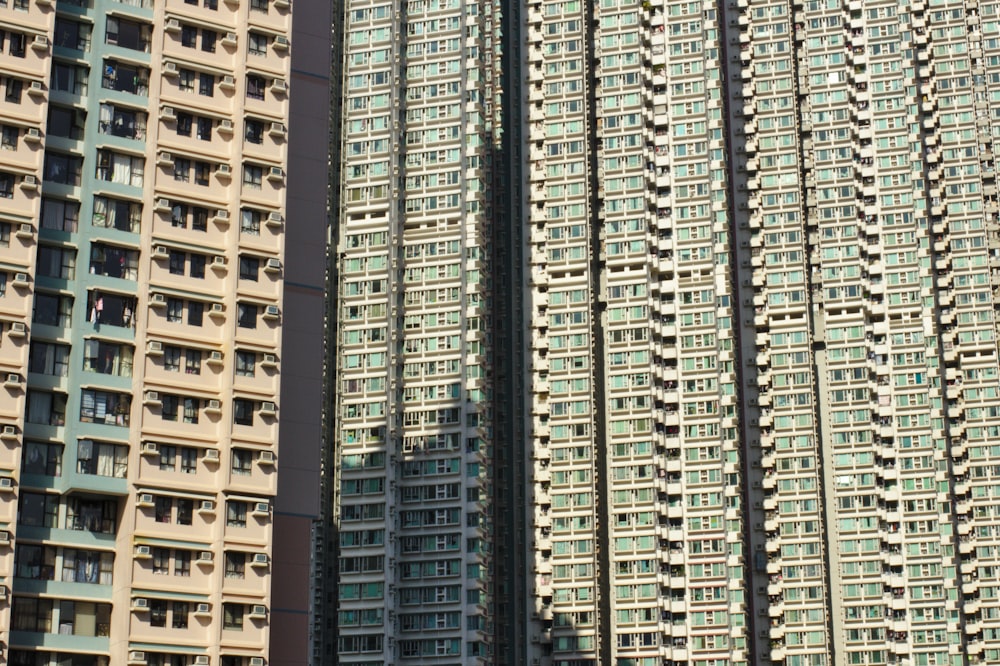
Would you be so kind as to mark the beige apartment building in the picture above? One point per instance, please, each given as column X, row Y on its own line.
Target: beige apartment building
column 143, row 211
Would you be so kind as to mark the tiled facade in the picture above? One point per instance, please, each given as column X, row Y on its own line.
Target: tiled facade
column 146, row 218
column 758, row 334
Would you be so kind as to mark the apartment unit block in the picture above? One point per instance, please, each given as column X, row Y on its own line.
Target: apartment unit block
column 412, row 414
column 143, row 186
column 750, row 257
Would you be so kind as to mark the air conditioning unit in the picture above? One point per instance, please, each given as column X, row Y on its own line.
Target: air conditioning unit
column 271, row 312
column 170, row 69
column 13, row 380
column 150, row 449
column 157, row 300
column 161, row 251
column 259, row 560
column 215, row 357
column 201, row 660
column 265, row 457
column 226, row 125
column 167, row 113
column 206, row 506
column 140, row 603
column 6, row 483
column 277, row 129
column 205, row 556
column 214, row 407
column 261, row 508
column 275, row 174
column 17, row 329
column 267, row 408
column 20, row 280
column 281, row 4
column 136, row 657
column 5, row 537
column 212, row 455
column 275, row 220
column 278, row 86
column 269, row 361
column 25, row 230
column 218, row 308
column 151, row 398
column 222, row 215
column 281, row 43
column 273, row 265
column 9, row 432
column 202, row 609
column 173, row 25
column 256, row 661
column 258, row 611
column 36, row 87
column 32, row 135
column 145, row 500
column 229, row 39
column 40, row 43
column 163, row 206
column 223, row 171
column 154, row 348
column 227, row 82
column 218, row 260
column 29, row 183
column 143, row 552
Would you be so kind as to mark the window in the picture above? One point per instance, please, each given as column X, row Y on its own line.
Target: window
column 182, row 562
column 60, row 215
column 191, row 408
column 120, row 168
column 175, row 310
column 243, row 411
column 235, row 564
column 257, row 43
column 197, row 266
column 8, row 137
column 38, row 509
column 6, row 186
column 189, row 460
column 52, row 310
column 252, row 176
column 192, row 362
column 208, row 38
column 31, row 614
column 177, row 262
column 206, row 84
column 69, row 78
column 56, row 262
column 161, row 561
column 246, row 315
column 172, row 359
column 92, row 515
column 125, row 78
column 168, row 407
column 46, row 408
column 168, row 457
column 128, row 34
column 202, row 172
column 13, row 89
column 114, row 261
column 157, row 613
column 185, row 80
column 249, row 268
column 42, row 458
column 232, row 616
column 184, row 121
column 236, row 513
column 250, row 222
column 255, row 86
column 73, row 35
column 5, row 234
column 179, row 214
column 87, row 566
column 163, row 510
column 196, row 311
column 205, row 128
column 123, row 122
column 246, row 363
column 46, row 358
column 179, row 614
column 254, row 131
column 182, row 169
column 16, row 43
column 189, row 36
column 34, row 562
column 242, row 462
column 66, row 122
column 102, row 459
column 63, row 169
column 199, row 219
column 116, row 214
column 259, row 5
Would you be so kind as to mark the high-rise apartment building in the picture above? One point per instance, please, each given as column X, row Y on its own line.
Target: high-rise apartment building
column 734, row 398
column 143, row 185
